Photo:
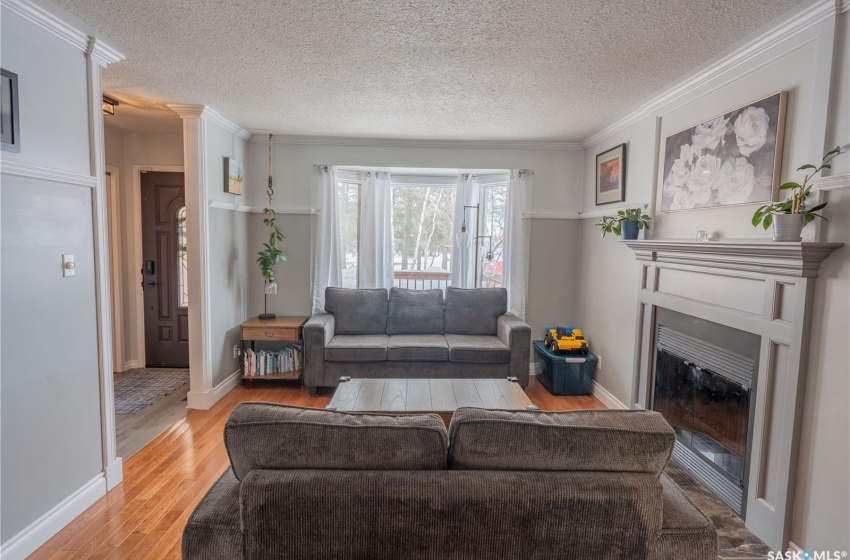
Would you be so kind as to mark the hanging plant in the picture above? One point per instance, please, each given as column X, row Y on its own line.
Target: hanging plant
column 271, row 253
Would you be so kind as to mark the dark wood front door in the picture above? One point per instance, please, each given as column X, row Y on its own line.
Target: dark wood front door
column 164, row 269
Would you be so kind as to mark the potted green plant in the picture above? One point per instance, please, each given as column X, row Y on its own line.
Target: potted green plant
column 271, row 253
column 626, row 223
column 790, row 216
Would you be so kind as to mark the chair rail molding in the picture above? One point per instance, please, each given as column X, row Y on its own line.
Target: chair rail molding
column 47, row 174
column 761, row 287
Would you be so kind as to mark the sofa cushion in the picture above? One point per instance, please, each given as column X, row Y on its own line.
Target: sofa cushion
column 686, row 532
column 477, row 349
column 474, row 311
column 357, row 348
column 358, row 311
column 417, row 348
column 415, row 311
column 272, row 436
column 213, row 531
column 638, row 441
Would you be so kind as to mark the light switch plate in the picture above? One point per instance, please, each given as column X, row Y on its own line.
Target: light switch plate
column 599, row 362
column 68, row 265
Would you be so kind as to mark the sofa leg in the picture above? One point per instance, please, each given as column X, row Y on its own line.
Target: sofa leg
column 313, row 391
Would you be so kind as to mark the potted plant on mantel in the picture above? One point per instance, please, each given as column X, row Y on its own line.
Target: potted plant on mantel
column 627, row 222
column 789, row 217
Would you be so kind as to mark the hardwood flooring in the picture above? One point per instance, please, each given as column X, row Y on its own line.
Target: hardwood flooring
column 144, row 516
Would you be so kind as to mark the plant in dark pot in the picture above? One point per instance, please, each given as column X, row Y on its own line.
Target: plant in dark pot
column 789, row 217
column 627, row 223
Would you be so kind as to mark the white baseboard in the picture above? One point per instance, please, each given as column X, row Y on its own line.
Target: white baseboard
column 535, row 368
column 131, row 364
column 606, row 397
column 42, row 529
column 205, row 400
column 114, row 474
column 794, row 548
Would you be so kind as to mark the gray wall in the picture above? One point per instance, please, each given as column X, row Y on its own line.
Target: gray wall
column 230, row 257
column 49, row 380
column 609, row 272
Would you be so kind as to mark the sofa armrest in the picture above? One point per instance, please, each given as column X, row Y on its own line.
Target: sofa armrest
column 318, row 332
column 516, row 334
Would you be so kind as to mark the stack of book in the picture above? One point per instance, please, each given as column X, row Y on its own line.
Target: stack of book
column 263, row 362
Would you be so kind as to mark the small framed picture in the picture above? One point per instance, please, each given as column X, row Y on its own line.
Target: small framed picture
column 232, row 176
column 611, row 175
column 10, row 118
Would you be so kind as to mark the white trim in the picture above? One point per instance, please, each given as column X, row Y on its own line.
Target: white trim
column 551, row 215
column 47, row 174
column 535, row 368
column 263, row 137
column 104, row 54
column 794, row 548
column 793, row 24
column 606, row 397
column 139, row 300
column 112, row 464
column 207, row 399
column 845, row 6
column 220, row 205
column 833, row 182
column 210, row 115
column 42, row 529
column 131, row 364
column 611, row 210
column 113, row 188
column 51, row 23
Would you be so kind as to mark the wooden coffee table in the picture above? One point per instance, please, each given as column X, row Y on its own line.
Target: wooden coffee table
column 442, row 396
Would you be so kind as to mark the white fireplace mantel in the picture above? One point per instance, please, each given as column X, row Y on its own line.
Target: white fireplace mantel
column 761, row 287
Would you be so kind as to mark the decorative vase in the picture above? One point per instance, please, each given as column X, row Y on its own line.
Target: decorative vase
column 787, row 227
column 629, row 229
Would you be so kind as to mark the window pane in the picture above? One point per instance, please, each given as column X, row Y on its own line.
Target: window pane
column 182, row 260
column 423, row 218
column 493, row 206
column 348, row 201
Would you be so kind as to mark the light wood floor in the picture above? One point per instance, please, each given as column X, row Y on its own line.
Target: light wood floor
column 134, row 431
column 143, row 517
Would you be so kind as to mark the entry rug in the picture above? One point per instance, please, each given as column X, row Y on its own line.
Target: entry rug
column 141, row 388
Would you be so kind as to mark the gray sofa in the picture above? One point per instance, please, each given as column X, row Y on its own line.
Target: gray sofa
column 415, row 334
column 316, row 484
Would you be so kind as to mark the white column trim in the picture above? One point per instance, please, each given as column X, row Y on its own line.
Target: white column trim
column 94, row 65
column 195, row 118
column 113, row 188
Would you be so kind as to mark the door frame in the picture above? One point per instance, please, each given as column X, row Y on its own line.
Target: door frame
column 113, row 190
column 139, row 304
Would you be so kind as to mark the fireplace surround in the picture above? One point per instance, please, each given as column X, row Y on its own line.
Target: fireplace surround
column 765, row 290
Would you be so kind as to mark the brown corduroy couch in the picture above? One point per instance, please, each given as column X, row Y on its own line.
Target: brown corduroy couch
column 314, row 484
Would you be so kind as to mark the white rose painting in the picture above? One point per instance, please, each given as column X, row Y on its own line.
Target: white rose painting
column 730, row 159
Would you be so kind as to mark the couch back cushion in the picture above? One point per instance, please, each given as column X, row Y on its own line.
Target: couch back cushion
column 273, row 436
column 416, row 311
column 636, row 441
column 474, row 311
column 358, row 311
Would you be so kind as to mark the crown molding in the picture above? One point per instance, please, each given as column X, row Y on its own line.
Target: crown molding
column 47, row 174
column 833, row 182
column 203, row 112
column 102, row 53
column 790, row 27
column 51, row 23
column 263, row 137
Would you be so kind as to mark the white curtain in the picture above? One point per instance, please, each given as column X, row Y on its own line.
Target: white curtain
column 463, row 267
column 376, row 232
column 327, row 268
column 517, row 237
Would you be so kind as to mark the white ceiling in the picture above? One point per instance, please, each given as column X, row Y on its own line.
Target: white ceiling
column 440, row 69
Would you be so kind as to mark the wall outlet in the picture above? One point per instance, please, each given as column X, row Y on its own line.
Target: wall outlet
column 236, row 351
column 599, row 362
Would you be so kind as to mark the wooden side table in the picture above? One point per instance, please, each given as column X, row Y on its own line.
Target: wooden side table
column 279, row 329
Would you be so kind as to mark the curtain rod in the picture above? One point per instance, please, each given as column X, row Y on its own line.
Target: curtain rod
column 325, row 167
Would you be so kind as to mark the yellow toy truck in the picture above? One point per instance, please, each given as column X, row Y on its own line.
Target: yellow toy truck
column 568, row 340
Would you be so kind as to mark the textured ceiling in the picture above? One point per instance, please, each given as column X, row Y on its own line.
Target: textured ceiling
column 448, row 69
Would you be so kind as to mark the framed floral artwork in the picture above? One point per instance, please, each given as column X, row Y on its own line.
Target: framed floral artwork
column 611, row 175
column 728, row 160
